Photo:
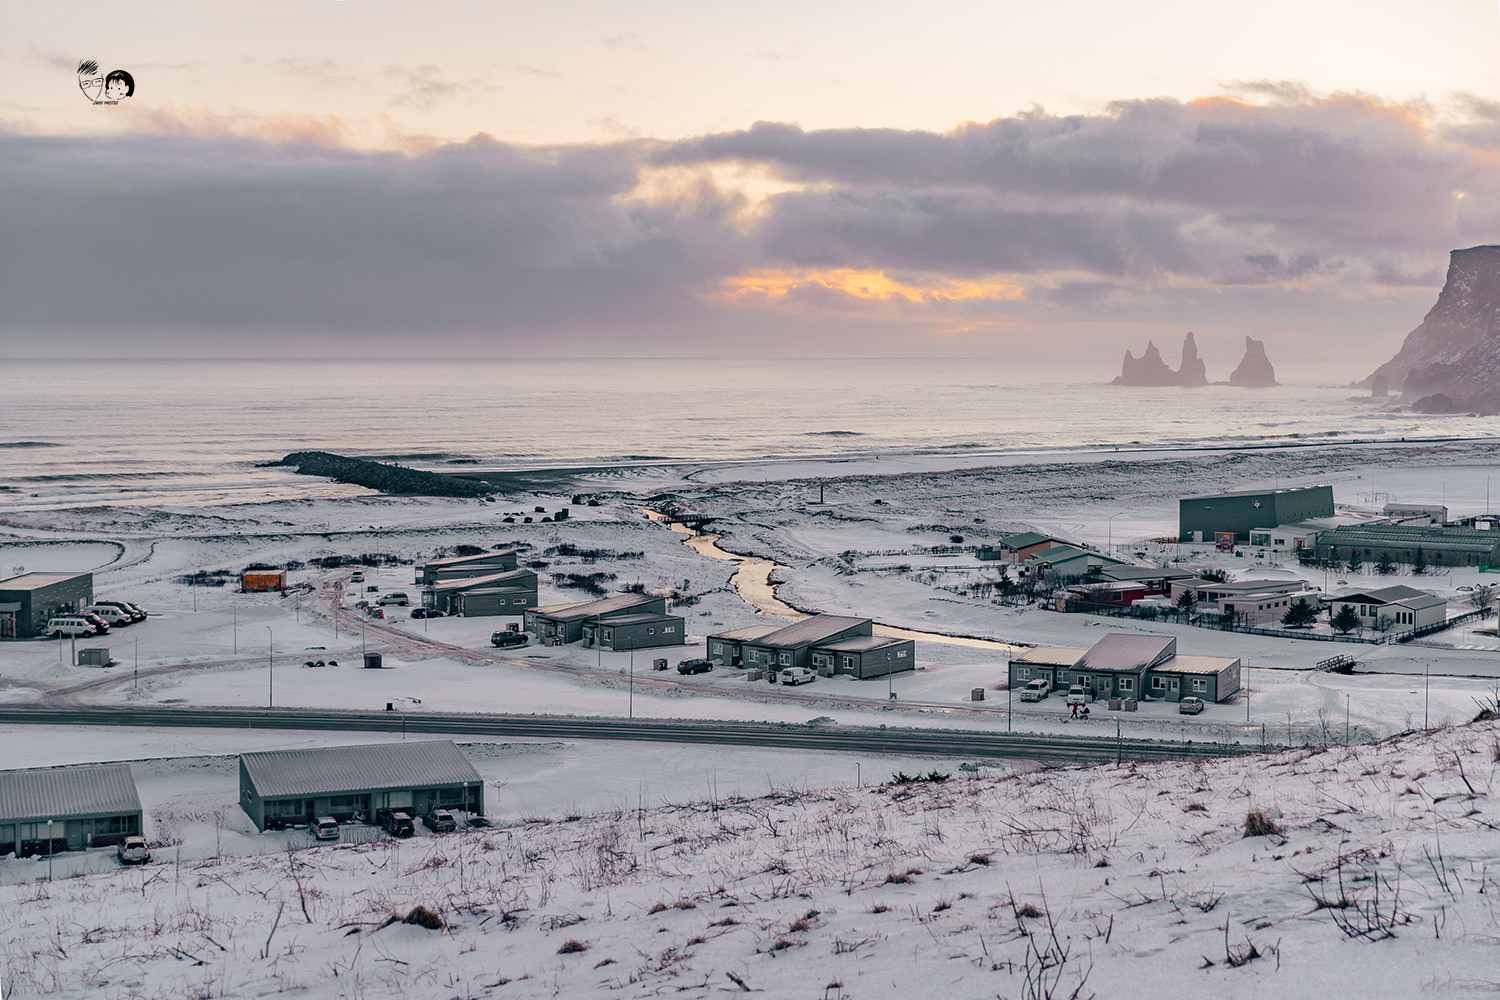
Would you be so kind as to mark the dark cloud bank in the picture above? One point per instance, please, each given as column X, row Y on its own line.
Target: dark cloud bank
column 1155, row 212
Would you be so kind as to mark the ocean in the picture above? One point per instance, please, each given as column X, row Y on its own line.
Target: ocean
column 194, row 430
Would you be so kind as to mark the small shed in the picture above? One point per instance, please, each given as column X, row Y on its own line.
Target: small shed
column 90, row 805
column 258, row 580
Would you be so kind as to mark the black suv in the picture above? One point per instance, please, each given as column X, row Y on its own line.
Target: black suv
column 399, row 824
column 696, row 666
column 509, row 638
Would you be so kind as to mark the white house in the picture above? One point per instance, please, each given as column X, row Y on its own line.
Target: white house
column 1407, row 607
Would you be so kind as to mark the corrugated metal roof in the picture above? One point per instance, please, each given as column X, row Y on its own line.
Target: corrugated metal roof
column 1127, row 652
column 864, row 643
column 608, row 605
column 480, row 581
column 67, row 792
column 461, row 560
column 642, row 619
column 1380, row 595
column 1417, row 603
column 1429, row 537
column 811, row 630
column 35, row 581
column 1024, row 539
column 1195, row 664
column 326, row 770
column 1050, row 656
column 1257, row 493
column 746, row 634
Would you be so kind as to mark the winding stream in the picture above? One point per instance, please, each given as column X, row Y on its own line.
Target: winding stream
column 751, row 580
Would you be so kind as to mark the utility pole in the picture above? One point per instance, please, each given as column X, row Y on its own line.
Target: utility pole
column 49, row 850
column 271, row 666
column 1426, row 692
column 137, row 682
column 73, row 649
column 1346, row 718
column 1119, row 742
column 632, row 682
column 236, row 630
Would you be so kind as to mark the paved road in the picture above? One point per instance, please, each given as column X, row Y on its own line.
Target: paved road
column 915, row 742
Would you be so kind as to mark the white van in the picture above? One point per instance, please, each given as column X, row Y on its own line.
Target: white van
column 115, row 616
column 69, row 625
column 796, row 675
column 395, row 597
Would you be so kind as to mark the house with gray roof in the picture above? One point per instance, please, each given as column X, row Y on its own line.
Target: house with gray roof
column 459, row 567
column 281, row 788
column 1130, row 666
column 567, row 622
column 726, row 649
column 89, row 805
column 791, row 645
column 865, row 656
column 1406, row 607
column 509, row 592
column 1068, row 562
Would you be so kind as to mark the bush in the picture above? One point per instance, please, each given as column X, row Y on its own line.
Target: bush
column 572, row 947
column 1258, row 824
column 423, row 917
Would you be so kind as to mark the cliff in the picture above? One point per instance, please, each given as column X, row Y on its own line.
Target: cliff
column 1150, row 369
column 1255, row 369
column 1455, row 352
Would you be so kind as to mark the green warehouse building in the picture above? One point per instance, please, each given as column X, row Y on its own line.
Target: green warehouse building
column 1200, row 519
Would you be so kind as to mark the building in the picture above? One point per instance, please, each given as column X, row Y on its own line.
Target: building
column 1016, row 549
column 1068, row 562
column 1416, row 513
column 1213, row 592
column 465, row 567
column 90, row 805
column 1438, row 545
column 1130, row 666
column 1266, row 606
column 27, row 601
column 566, row 622
column 864, row 656
column 1406, row 607
column 1153, row 580
column 1286, row 537
column 792, row 645
column 505, row 593
column 1203, row 518
column 256, row 580
column 727, row 648
column 280, row 788
column 642, row 630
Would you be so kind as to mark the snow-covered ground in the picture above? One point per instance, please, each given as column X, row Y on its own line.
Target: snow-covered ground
column 1364, row 872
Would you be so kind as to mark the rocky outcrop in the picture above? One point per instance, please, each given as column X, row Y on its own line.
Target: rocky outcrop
column 1379, row 387
column 1455, row 352
column 385, row 478
column 1150, row 369
column 1255, row 369
column 1192, row 371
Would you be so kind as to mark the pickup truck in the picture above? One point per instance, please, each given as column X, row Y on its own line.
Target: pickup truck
column 1036, row 690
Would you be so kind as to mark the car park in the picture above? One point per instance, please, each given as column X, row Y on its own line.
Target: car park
column 395, row 597
column 695, row 666
column 796, row 675
column 1190, row 705
column 509, row 638
column 101, row 627
column 326, row 828
column 133, row 851
column 69, row 625
column 399, row 824
column 440, row 821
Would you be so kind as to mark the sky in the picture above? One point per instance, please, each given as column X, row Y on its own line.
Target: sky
column 969, row 179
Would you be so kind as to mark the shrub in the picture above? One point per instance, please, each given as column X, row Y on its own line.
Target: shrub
column 572, row 947
column 1258, row 824
column 1027, row 910
column 423, row 917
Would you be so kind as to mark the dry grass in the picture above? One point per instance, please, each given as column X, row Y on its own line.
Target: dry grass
column 1027, row 910
column 901, row 878
column 1258, row 824
column 572, row 947
column 423, row 917
column 658, row 908
column 1195, row 807
column 880, row 908
column 979, row 859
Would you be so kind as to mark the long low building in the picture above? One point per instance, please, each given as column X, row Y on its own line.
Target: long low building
column 89, row 805
column 1130, row 666
column 1236, row 514
column 464, row 567
column 1435, row 545
column 281, row 788
column 505, row 593
column 828, row 644
column 569, row 622
column 29, row 600
column 1406, row 607
column 727, row 649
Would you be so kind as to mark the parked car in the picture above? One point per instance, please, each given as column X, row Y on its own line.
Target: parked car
column 73, row 625
column 101, row 627
column 509, row 638
column 399, row 824
column 1190, row 705
column 117, row 617
column 395, row 597
column 358, row 577
column 796, row 675
column 133, row 851
column 426, row 613
column 440, row 821
column 695, row 666
column 1036, row 690
column 135, row 614
column 138, row 610
column 1079, row 695
column 326, row 828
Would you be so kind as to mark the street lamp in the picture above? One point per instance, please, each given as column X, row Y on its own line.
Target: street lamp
column 1110, row 524
column 270, row 666
column 49, row 850
column 632, row 682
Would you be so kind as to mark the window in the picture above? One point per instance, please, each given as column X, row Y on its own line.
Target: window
column 1127, row 683
column 900, row 654
column 786, row 659
column 1200, row 684
column 717, row 647
column 519, row 600
column 1159, row 683
column 1023, row 673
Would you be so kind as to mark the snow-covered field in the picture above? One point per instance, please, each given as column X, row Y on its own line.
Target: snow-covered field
column 1370, row 877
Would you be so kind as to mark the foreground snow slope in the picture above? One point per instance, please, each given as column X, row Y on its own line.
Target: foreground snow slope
column 1122, row 878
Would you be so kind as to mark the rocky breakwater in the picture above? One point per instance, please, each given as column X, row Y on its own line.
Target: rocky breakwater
column 1150, row 369
column 385, row 478
column 1451, row 362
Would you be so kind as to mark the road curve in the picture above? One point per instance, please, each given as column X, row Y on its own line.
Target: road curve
column 914, row 742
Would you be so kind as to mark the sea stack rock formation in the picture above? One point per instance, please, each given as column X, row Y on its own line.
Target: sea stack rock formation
column 1255, row 369
column 1192, row 372
column 1150, row 369
column 1455, row 352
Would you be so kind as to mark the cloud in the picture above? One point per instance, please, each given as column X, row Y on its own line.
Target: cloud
column 1338, row 209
